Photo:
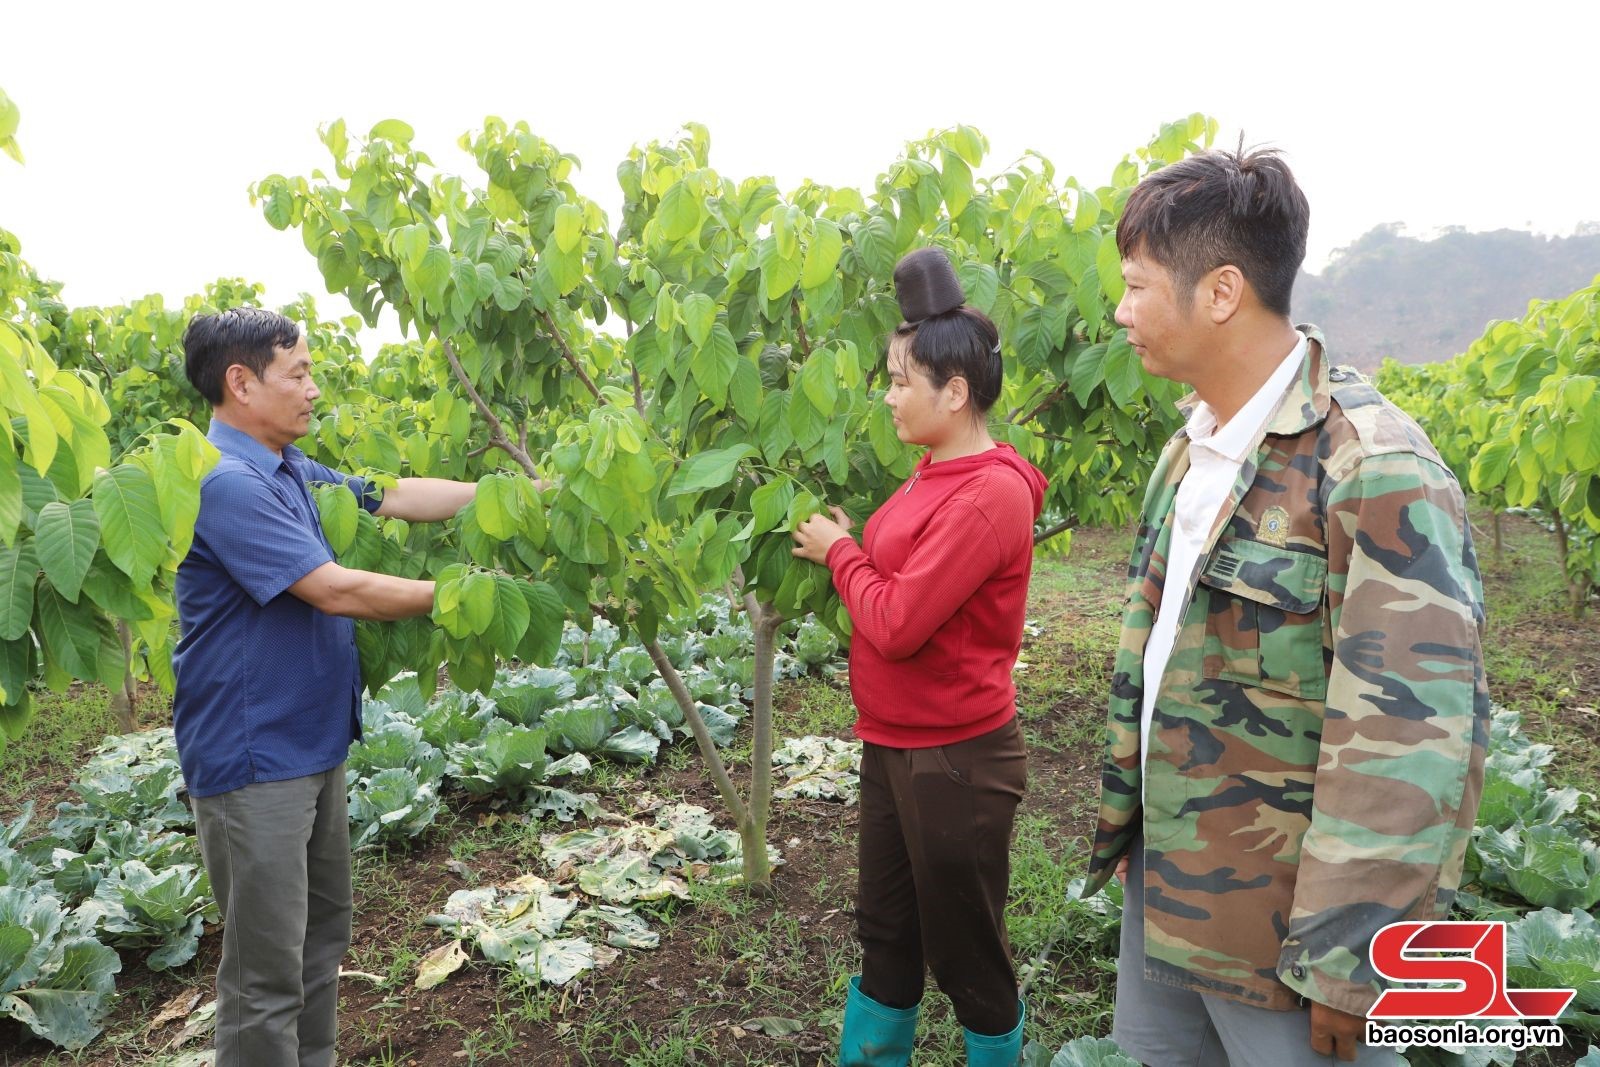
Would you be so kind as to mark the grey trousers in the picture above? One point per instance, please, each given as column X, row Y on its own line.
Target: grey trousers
column 278, row 854
column 1165, row 1026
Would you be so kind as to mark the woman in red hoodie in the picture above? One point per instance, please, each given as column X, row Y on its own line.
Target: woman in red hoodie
column 937, row 592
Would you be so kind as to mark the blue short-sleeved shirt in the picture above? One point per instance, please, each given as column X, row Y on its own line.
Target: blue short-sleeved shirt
column 268, row 687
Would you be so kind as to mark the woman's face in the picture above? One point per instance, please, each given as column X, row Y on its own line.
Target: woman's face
column 922, row 414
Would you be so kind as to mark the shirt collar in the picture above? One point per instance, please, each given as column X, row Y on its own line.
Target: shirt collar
column 1234, row 439
column 232, row 441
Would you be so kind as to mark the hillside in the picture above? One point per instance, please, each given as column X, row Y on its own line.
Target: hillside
column 1392, row 295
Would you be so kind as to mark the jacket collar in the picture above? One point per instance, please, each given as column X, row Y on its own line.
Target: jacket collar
column 1305, row 405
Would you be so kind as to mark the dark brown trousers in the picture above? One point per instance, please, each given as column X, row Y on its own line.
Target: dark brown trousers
column 935, row 866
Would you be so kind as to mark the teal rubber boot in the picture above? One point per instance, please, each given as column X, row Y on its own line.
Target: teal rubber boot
column 876, row 1035
column 1002, row 1050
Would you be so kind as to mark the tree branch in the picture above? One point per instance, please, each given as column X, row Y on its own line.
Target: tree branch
column 633, row 369
column 497, row 430
column 702, row 735
column 800, row 328
column 1046, row 404
column 96, row 354
column 572, row 360
column 1061, row 527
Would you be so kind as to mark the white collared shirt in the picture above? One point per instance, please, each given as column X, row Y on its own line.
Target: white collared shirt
column 1216, row 455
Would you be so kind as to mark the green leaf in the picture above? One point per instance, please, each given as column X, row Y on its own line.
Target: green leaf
column 874, row 239
column 130, row 521
column 1124, row 376
column 709, row 470
column 805, row 421
column 337, row 508
column 16, row 671
column 699, row 313
column 65, row 537
column 955, row 183
column 981, row 284
column 393, row 130
column 770, row 504
column 433, row 274
column 819, row 378
column 680, row 212
column 1087, row 370
column 1553, row 949
column 886, row 443
column 773, row 426
column 68, row 1006
column 511, row 614
column 10, row 116
column 744, row 391
column 547, row 617
column 19, row 570
column 499, row 506
column 410, row 244
column 568, row 226
column 822, row 257
column 779, row 273
column 10, row 497
column 1109, row 262
column 1087, row 214
column 68, row 633
column 714, row 363
column 477, row 605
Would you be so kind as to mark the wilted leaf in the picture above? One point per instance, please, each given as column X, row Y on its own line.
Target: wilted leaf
column 440, row 964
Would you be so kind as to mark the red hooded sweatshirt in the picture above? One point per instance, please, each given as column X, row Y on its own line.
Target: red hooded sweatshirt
column 937, row 594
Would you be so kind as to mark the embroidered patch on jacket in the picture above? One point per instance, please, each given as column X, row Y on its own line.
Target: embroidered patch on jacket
column 1273, row 527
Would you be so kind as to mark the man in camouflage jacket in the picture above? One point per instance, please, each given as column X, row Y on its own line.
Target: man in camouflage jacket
column 1315, row 754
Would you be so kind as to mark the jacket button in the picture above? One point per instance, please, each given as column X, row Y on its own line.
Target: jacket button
column 1298, row 971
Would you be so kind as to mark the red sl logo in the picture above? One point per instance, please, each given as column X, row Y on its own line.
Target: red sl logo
column 1475, row 982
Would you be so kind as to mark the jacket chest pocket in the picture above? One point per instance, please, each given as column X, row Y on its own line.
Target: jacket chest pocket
column 1264, row 620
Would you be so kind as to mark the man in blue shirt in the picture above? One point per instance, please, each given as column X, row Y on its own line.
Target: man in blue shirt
column 268, row 686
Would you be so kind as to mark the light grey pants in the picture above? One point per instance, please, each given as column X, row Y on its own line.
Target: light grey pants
column 278, row 854
column 1165, row 1026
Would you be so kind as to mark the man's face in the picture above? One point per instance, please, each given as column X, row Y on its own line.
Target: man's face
column 282, row 400
column 1167, row 337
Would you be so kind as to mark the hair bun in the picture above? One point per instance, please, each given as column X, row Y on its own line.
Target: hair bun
column 926, row 284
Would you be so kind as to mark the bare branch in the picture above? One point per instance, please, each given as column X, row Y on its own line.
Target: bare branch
column 800, row 327
column 1061, row 527
column 1046, row 404
column 566, row 352
column 497, row 430
column 638, row 387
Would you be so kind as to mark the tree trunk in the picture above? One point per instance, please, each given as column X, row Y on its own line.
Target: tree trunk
column 1499, row 539
column 702, row 735
column 767, row 621
column 752, row 818
column 756, row 867
column 1577, row 592
column 122, row 700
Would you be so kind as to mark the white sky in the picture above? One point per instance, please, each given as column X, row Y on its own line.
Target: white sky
column 144, row 124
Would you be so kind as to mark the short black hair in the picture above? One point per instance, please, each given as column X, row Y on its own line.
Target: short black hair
column 961, row 342
column 244, row 335
column 1216, row 208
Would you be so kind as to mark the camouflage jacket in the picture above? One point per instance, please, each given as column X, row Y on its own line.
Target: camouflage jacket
column 1316, row 753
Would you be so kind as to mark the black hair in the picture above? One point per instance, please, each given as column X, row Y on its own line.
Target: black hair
column 961, row 342
column 244, row 335
column 1240, row 208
